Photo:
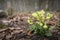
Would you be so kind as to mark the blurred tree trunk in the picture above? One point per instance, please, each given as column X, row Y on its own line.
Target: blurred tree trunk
column 9, row 8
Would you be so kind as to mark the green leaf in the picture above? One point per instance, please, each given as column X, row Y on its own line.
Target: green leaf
column 32, row 27
column 48, row 34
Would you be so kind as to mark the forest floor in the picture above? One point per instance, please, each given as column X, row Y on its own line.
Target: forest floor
column 17, row 29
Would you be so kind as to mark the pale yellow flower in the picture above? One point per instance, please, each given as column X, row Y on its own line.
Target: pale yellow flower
column 45, row 26
column 30, row 21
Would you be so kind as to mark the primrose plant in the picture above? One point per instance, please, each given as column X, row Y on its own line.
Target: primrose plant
column 40, row 27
